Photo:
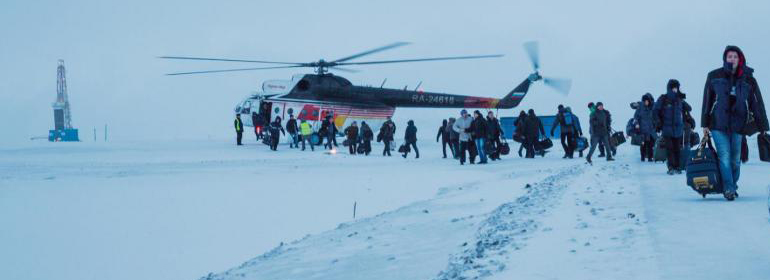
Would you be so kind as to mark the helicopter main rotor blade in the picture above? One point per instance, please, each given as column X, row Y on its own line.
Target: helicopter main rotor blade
column 232, row 70
column 394, row 45
column 344, row 69
column 561, row 85
column 534, row 54
column 228, row 60
column 420, row 59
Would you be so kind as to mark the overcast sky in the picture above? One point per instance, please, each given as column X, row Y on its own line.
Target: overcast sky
column 613, row 50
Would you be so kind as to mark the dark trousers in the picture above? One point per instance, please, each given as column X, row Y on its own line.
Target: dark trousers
column 529, row 144
column 307, row 138
column 674, row 148
column 330, row 139
column 647, row 148
column 603, row 141
column 367, row 144
column 564, row 143
column 495, row 143
column 602, row 148
column 274, row 142
column 454, row 145
column 465, row 146
column 571, row 144
column 386, row 150
column 239, row 137
column 444, row 143
column 352, row 147
column 414, row 147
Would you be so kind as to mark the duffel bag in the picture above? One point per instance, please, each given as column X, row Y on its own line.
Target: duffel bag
column 703, row 169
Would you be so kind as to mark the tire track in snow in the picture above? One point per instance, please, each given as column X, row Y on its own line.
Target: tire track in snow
column 508, row 227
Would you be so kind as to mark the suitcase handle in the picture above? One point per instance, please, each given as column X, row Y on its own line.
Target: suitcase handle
column 706, row 140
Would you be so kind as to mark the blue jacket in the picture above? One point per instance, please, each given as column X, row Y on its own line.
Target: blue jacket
column 669, row 114
column 719, row 112
column 645, row 117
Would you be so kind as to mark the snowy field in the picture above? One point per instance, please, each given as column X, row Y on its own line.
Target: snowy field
column 150, row 210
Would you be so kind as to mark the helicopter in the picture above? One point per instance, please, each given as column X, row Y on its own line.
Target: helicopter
column 314, row 97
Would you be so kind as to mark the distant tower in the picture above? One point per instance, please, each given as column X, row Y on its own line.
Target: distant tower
column 62, row 118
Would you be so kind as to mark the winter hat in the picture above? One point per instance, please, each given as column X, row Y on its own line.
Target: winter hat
column 568, row 109
column 477, row 112
column 590, row 104
column 531, row 111
column 463, row 111
column 561, row 107
column 599, row 104
column 410, row 122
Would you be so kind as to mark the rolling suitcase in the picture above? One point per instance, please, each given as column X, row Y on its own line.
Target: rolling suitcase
column 703, row 169
column 660, row 153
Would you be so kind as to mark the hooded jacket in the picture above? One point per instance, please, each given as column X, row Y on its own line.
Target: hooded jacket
column 410, row 135
column 453, row 135
column 443, row 132
column 601, row 121
column 645, row 116
column 669, row 113
column 533, row 126
column 729, row 112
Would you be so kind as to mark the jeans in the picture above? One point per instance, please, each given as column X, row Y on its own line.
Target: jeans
column 728, row 145
column 294, row 141
column 480, row 148
column 602, row 140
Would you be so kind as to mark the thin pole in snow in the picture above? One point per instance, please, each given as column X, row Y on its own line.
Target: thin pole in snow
column 105, row 132
column 354, row 210
column 94, row 134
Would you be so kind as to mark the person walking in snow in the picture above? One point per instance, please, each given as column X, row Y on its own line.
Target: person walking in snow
column 519, row 133
column 600, row 133
column 351, row 133
column 533, row 129
column 366, row 137
column 454, row 138
column 479, row 134
column 732, row 105
column 644, row 119
column 307, row 132
column 293, row 130
column 410, row 138
column 443, row 134
column 669, row 111
column 494, row 132
column 275, row 128
column 568, row 132
column 386, row 134
column 238, row 129
column 462, row 127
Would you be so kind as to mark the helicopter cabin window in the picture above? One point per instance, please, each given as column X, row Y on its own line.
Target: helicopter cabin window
column 290, row 111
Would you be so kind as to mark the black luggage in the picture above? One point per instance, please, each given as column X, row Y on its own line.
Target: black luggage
column 617, row 138
column 544, row 144
column 637, row 139
column 404, row 148
column 703, row 169
column 504, row 148
column 489, row 148
column 519, row 138
column 763, row 145
column 660, row 153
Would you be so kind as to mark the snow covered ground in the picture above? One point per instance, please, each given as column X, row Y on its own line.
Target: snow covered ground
column 149, row 210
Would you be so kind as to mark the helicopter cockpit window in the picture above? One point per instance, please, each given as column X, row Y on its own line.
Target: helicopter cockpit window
column 246, row 107
column 238, row 109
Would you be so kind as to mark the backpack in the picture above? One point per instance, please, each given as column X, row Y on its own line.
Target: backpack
column 568, row 118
